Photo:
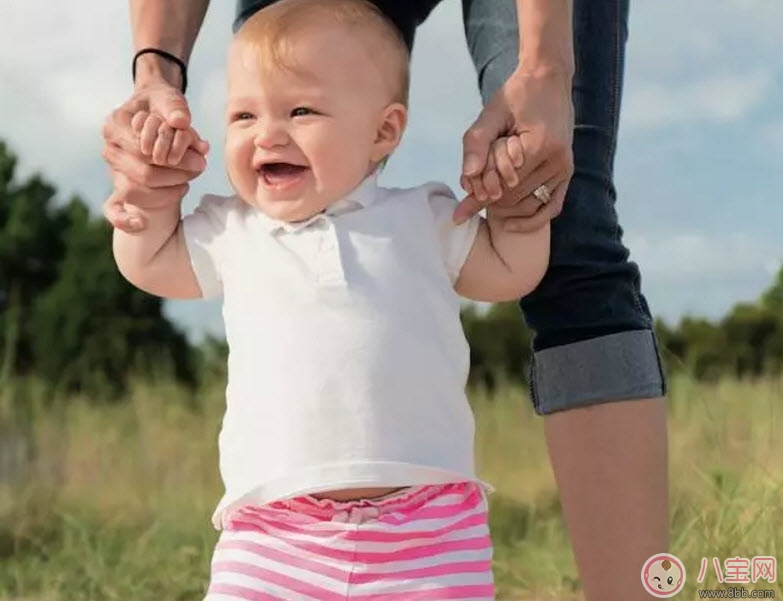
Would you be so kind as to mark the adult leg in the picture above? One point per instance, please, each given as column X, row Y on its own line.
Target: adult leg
column 596, row 375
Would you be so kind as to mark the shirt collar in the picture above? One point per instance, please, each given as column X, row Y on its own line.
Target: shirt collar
column 361, row 197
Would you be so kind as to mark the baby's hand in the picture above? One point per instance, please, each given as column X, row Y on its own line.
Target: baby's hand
column 505, row 157
column 162, row 143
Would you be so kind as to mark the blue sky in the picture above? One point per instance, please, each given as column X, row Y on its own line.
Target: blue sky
column 699, row 167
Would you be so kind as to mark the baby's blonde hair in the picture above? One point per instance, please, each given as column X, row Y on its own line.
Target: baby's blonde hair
column 272, row 30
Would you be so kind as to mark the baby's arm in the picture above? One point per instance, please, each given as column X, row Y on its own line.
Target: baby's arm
column 503, row 265
column 156, row 258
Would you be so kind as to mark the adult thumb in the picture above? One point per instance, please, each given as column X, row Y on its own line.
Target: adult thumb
column 171, row 105
column 478, row 138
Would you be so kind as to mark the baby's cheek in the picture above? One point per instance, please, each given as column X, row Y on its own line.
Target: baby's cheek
column 339, row 171
column 239, row 180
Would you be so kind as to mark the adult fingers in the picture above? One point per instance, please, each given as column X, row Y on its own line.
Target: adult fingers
column 542, row 163
column 546, row 174
column 138, row 170
column 168, row 101
column 528, row 224
column 491, row 123
column 524, row 208
column 545, row 214
column 464, row 182
column 120, row 208
column 527, row 207
column 153, row 198
column 117, row 214
column 479, row 191
column 118, row 144
column 118, row 128
column 133, row 194
column 558, row 198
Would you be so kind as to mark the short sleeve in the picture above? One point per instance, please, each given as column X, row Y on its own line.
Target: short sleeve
column 455, row 241
column 206, row 238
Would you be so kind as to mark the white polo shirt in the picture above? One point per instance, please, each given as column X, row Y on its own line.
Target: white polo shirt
column 347, row 360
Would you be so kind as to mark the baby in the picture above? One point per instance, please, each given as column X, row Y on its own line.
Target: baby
column 346, row 448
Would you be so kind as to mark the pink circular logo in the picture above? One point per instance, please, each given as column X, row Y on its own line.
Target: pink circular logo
column 663, row 575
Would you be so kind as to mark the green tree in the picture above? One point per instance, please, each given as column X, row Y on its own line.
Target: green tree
column 499, row 344
column 754, row 339
column 30, row 245
column 706, row 355
column 772, row 298
column 68, row 314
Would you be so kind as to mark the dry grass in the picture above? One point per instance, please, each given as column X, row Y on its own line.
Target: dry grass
column 113, row 502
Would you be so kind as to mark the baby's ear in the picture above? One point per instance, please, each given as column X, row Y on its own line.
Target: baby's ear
column 390, row 128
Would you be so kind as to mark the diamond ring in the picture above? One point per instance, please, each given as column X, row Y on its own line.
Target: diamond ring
column 542, row 194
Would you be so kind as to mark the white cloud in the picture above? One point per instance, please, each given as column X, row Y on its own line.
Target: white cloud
column 673, row 257
column 701, row 61
column 679, row 40
column 716, row 98
column 702, row 274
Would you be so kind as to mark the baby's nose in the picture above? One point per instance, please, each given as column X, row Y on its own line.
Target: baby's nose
column 270, row 135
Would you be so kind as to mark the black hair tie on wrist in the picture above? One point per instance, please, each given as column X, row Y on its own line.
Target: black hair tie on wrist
column 168, row 56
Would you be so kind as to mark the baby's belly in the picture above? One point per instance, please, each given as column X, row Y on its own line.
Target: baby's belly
column 351, row 494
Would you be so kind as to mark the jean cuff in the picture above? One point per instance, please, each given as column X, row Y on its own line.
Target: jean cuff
column 609, row 368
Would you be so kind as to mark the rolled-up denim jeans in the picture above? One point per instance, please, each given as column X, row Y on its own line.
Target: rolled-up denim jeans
column 593, row 330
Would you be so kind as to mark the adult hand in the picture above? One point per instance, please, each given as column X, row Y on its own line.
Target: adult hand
column 536, row 108
column 134, row 171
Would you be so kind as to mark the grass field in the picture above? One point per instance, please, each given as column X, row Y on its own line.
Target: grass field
column 113, row 502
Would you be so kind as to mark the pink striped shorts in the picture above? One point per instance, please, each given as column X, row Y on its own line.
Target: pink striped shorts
column 419, row 544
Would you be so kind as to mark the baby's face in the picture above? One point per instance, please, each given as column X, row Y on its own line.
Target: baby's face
column 299, row 139
column 663, row 576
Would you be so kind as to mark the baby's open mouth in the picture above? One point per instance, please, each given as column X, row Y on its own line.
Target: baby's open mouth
column 279, row 174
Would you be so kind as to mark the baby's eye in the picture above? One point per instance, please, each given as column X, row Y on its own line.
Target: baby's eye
column 670, row 580
column 241, row 116
column 302, row 111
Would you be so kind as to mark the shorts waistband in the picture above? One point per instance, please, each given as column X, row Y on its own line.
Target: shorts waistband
column 405, row 500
